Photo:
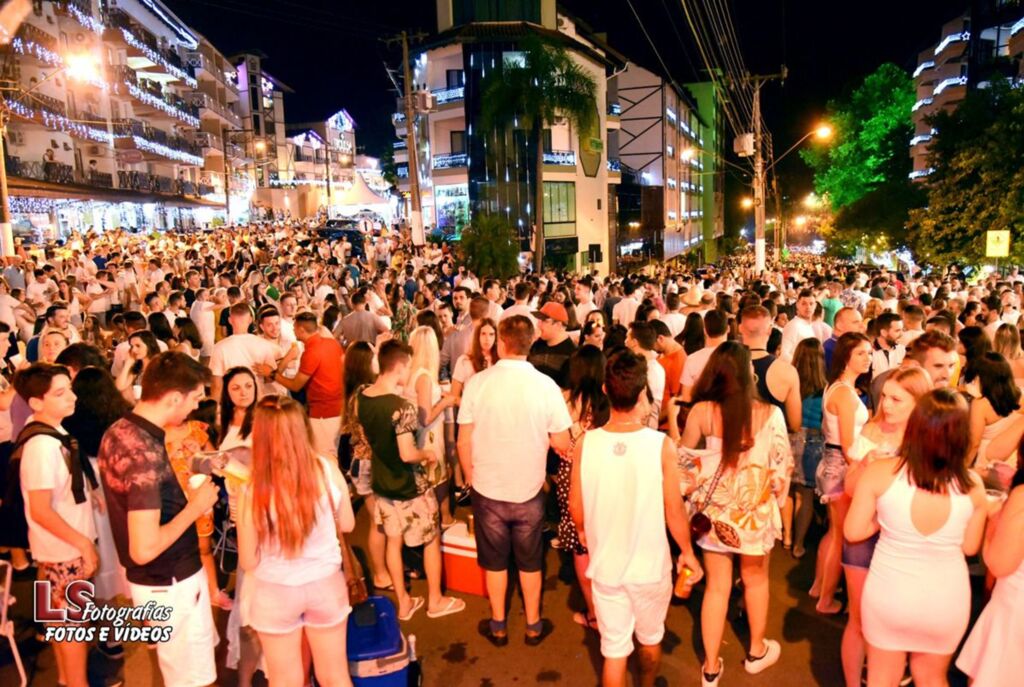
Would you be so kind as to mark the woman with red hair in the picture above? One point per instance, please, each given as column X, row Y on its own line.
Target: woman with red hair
column 288, row 547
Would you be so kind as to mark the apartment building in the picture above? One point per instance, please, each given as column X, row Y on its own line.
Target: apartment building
column 667, row 145
column 113, row 144
column 461, row 175
column 986, row 42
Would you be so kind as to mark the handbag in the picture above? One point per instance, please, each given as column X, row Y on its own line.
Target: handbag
column 700, row 523
column 355, row 579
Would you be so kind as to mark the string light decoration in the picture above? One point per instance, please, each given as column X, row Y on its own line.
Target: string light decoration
column 161, row 104
column 88, row 21
column 61, row 123
column 33, row 49
column 160, row 149
column 155, row 56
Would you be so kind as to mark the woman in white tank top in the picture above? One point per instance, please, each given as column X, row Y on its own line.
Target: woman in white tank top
column 995, row 411
column 288, row 546
column 931, row 511
column 843, row 417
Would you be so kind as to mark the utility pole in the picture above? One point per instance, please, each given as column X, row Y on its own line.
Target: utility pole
column 327, row 164
column 759, row 171
column 6, row 234
column 416, row 214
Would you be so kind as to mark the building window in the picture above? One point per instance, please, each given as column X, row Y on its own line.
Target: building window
column 670, row 150
column 466, row 11
column 559, row 208
column 454, row 78
column 256, row 124
column 547, row 141
column 458, row 142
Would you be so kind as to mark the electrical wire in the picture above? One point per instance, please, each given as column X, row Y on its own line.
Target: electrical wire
column 274, row 15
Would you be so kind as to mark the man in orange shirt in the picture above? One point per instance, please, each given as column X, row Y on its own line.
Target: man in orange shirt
column 672, row 357
column 320, row 373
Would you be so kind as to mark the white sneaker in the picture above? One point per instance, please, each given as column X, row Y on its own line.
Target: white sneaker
column 705, row 682
column 771, row 656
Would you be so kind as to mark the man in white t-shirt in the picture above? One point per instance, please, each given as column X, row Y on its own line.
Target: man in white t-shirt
column 674, row 319
column 268, row 321
column 641, row 339
column 716, row 329
column 41, row 290
column 800, row 327
column 584, row 299
column 510, row 415
column 58, row 491
column 240, row 350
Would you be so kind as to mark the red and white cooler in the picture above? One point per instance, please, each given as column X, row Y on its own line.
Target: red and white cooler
column 462, row 573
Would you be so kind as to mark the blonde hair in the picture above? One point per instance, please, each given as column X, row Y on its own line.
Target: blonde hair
column 425, row 353
column 1007, row 342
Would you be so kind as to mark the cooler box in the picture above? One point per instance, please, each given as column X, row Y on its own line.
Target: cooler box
column 461, row 571
column 378, row 655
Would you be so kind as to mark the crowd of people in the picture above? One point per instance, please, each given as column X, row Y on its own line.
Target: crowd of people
column 666, row 431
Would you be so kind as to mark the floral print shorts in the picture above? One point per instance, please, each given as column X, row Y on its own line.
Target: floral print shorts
column 415, row 519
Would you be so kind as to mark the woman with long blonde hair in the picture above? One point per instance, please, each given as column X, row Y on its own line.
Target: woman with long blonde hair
column 423, row 389
column 289, row 516
column 1007, row 344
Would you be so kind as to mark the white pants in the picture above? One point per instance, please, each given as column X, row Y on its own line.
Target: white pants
column 186, row 659
column 326, row 433
column 630, row 609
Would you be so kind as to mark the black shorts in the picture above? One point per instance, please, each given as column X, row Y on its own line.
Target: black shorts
column 504, row 529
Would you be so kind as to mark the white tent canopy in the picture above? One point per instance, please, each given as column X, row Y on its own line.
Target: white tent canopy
column 359, row 195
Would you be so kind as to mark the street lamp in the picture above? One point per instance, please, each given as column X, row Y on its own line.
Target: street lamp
column 822, row 132
column 747, row 203
column 800, row 220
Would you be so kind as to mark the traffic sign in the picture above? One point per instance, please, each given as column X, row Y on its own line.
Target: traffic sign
column 997, row 243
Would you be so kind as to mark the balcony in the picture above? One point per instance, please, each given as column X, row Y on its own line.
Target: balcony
column 443, row 96
column 615, row 109
column 151, row 96
column 205, row 65
column 400, row 145
column 80, row 11
column 31, row 41
column 57, row 173
column 450, row 161
column 101, row 179
column 203, row 101
column 141, row 43
column 560, row 158
column 133, row 134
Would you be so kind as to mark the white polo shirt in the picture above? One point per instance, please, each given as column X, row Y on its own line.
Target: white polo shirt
column 513, row 408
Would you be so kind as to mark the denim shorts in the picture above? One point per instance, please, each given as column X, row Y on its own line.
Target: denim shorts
column 810, row 458
column 859, row 554
column 509, row 530
column 278, row 609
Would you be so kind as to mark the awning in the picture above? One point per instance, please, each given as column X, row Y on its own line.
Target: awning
column 34, row 188
column 360, row 194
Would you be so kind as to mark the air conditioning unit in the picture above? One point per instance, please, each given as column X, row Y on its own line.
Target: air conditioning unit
column 94, row 150
column 424, row 101
column 15, row 138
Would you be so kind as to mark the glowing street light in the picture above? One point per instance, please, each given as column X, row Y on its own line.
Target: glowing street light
column 82, row 67
column 812, row 201
column 747, row 203
column 261, row 146
column 823, row 132
column 800, row 220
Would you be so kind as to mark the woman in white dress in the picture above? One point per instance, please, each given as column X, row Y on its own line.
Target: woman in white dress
column 992, row 655
column 881, row 438
column 994, row 411
column 931, row 511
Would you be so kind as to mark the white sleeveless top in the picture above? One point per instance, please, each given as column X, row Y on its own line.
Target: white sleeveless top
column 830, row 421
column 900, row 538
column 623, row 507
column 320, row 556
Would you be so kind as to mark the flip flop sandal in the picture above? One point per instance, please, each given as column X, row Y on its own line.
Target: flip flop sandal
column 452, row 607
column 417, row 604
column 582, row 620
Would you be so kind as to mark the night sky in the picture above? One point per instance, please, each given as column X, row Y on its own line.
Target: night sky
column 330, row 52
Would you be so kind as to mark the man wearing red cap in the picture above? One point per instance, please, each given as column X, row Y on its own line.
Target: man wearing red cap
column 551, row 351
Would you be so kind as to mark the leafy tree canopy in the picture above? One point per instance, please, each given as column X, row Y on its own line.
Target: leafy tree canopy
column 490, row 247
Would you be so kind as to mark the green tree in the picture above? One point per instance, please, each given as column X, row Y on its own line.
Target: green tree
column 872, row 128
column 490, row 247
column 546, row 84
column 877, row 220
column 977, row 182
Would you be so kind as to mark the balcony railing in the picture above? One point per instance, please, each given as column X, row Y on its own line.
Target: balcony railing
column 204, row 101
column 200, row 60
column 614, row 109
column 101, row 179
column 146, row 43
column 32, row 44
column 443, row 96
column 158, row 142
column 614, row 165
column 149, row 93
column 81, row 10
column 400, row 145
column 560, row 158
column 450, row 161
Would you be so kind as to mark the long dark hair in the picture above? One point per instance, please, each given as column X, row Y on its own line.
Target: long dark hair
column 976, row 344
column 358, row 367
column 160, row 327
column 227, row 406
column 98, row 405
column 809, row 361
column 692, row 336
column 150, row 342
column 586, row 384
column 936, row 442
column 996, row 379
column 845, row 346
column 476, row 352
column 728, row 381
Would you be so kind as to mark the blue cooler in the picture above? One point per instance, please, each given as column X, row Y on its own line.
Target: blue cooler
column 378, row 655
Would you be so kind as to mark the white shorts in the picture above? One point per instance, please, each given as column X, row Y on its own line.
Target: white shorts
column 186, row 659
column 630, row 609
column 326, row 434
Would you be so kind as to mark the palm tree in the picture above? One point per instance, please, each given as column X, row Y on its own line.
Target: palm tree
column 547, row 84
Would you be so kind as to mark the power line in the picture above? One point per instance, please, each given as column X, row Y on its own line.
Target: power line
column 643, row 28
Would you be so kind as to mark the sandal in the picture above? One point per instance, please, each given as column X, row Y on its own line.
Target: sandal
column 538, row 632
column 582, row 619
column 494, row 631
column 417, row 604
column 452, row 607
